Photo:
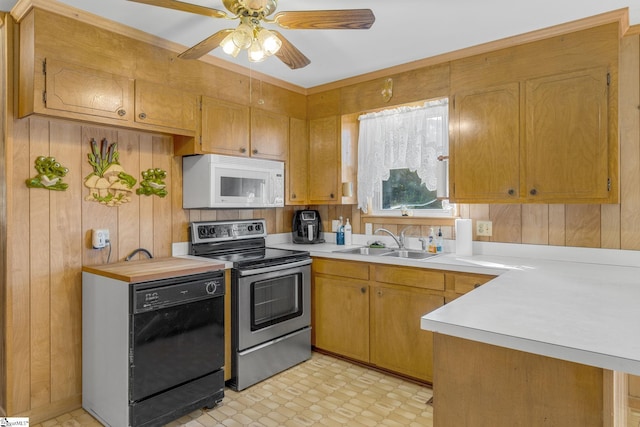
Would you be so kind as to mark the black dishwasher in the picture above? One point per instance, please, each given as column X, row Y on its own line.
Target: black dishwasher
column 176, row 347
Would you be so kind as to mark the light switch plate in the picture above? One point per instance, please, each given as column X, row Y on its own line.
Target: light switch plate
column 484, row 228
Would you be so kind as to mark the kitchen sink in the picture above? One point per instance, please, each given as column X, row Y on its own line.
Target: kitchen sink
column 403, row 253
column 391, row 252
column 366, row 251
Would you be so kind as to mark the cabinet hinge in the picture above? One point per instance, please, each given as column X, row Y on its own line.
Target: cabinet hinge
column 44, row 96
column 608, row 79
column 200, row 105
column 200, row 140
column 608, row 184
column 44, row 67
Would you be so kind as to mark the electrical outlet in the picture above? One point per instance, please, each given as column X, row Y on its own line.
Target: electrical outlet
column 483, row 228
column 99, row 238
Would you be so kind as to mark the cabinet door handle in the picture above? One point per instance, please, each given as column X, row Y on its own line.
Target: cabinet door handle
column 476, row 285
column 511, row 191
column 379, row 293
column 293, row 196
column 243, row 150
column 331, row 195
column 533, row 192
column 363, row 290
column 122, row 112
column 255, row 151
column 142, row 116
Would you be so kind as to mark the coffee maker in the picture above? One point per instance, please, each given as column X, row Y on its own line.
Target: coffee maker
column 307, row 227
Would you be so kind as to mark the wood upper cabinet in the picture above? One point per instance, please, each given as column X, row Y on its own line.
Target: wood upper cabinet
column 297, row 177
column 566, row 137
column 74, row 88
column 485, row 145
column 165, row 106
column 397, row 342
column 269, row 135
column 324, row 160
column 224, row 127
column 541, row 140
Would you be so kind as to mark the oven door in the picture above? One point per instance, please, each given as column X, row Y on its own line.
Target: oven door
column 271, row 302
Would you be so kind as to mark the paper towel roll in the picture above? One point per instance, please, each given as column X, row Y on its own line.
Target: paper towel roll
column 464, row 237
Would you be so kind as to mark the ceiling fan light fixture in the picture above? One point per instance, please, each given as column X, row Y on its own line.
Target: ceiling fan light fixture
column 229, row 47
column 242, row 36
column 256, row 53
column 270, row 42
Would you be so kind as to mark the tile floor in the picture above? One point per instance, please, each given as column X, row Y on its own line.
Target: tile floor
column 321, row 392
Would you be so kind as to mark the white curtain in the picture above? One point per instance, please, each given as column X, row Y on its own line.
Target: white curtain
column 405, row 137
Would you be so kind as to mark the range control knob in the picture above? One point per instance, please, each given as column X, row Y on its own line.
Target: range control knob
column 211, row 287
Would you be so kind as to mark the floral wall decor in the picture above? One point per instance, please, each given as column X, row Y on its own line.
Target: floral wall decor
column 108, row 184
column 153, row 183
column 50, row 174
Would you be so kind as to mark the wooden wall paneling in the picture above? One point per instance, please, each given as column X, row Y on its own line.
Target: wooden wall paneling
column 228, row 214
column 6, row 101
column 414, row 85
column 180, row 232
column 65, row 266
column 94, row 214
column 557, row 228
column 610, row 226
column 480, row 212
column 279, row 220
column 40, row 286
column 535, row 224
column 19, row 168
column 583, row 225
column 324, row 104
column 630, row 143
column 507, row 223
column 162, row 149
column 130, row 227
column 211, row 215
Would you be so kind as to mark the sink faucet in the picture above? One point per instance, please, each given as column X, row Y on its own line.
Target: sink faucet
column 399, row 241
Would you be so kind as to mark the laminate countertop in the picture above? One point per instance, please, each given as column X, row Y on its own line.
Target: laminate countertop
column 575, row 304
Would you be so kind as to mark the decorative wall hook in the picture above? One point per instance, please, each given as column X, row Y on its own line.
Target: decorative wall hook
column 387, row 90
column 153, row 183
column 50, row 174
column 108, row 184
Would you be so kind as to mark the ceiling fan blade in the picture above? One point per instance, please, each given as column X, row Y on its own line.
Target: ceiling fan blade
column 289, row 54
column 205, row 46
column 185, row 7
column 348, row 19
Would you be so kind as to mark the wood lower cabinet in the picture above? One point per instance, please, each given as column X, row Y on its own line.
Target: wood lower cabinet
column 634, row 392
column 397, row 342
column 371, row 313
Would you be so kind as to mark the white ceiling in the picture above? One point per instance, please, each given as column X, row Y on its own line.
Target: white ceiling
column 404, row 31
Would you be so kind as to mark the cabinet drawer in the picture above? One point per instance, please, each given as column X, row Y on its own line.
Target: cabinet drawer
column 417, row 277
column 464, row 283
column 355, row 270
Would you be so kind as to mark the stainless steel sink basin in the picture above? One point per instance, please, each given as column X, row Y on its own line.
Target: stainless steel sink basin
column 392, row 252
column 403, row 253
column 366, row 251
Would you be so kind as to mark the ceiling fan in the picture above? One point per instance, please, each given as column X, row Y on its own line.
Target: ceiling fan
column 259, row 41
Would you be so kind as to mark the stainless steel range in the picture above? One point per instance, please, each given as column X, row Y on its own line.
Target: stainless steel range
column 270, row 294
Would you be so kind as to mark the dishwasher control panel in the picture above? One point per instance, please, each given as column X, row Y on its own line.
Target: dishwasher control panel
column 178, row 290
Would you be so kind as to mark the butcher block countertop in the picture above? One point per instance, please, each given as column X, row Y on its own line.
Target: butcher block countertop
column 153, row 269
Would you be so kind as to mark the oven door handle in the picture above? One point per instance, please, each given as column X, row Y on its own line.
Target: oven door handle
column 280, row 267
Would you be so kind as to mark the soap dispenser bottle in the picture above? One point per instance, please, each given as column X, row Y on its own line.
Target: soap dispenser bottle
column 439, row 240
column 432, row 242
column 347, row 233
column 340, row 234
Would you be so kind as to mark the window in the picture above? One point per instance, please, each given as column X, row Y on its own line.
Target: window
column 398, row 168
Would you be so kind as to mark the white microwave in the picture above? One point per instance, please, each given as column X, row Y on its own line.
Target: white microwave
column 212, row 181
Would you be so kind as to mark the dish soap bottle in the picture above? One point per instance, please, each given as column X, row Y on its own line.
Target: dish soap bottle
column 432, row 242
column 439, row 241
column 347, row 233
column 340, row 234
